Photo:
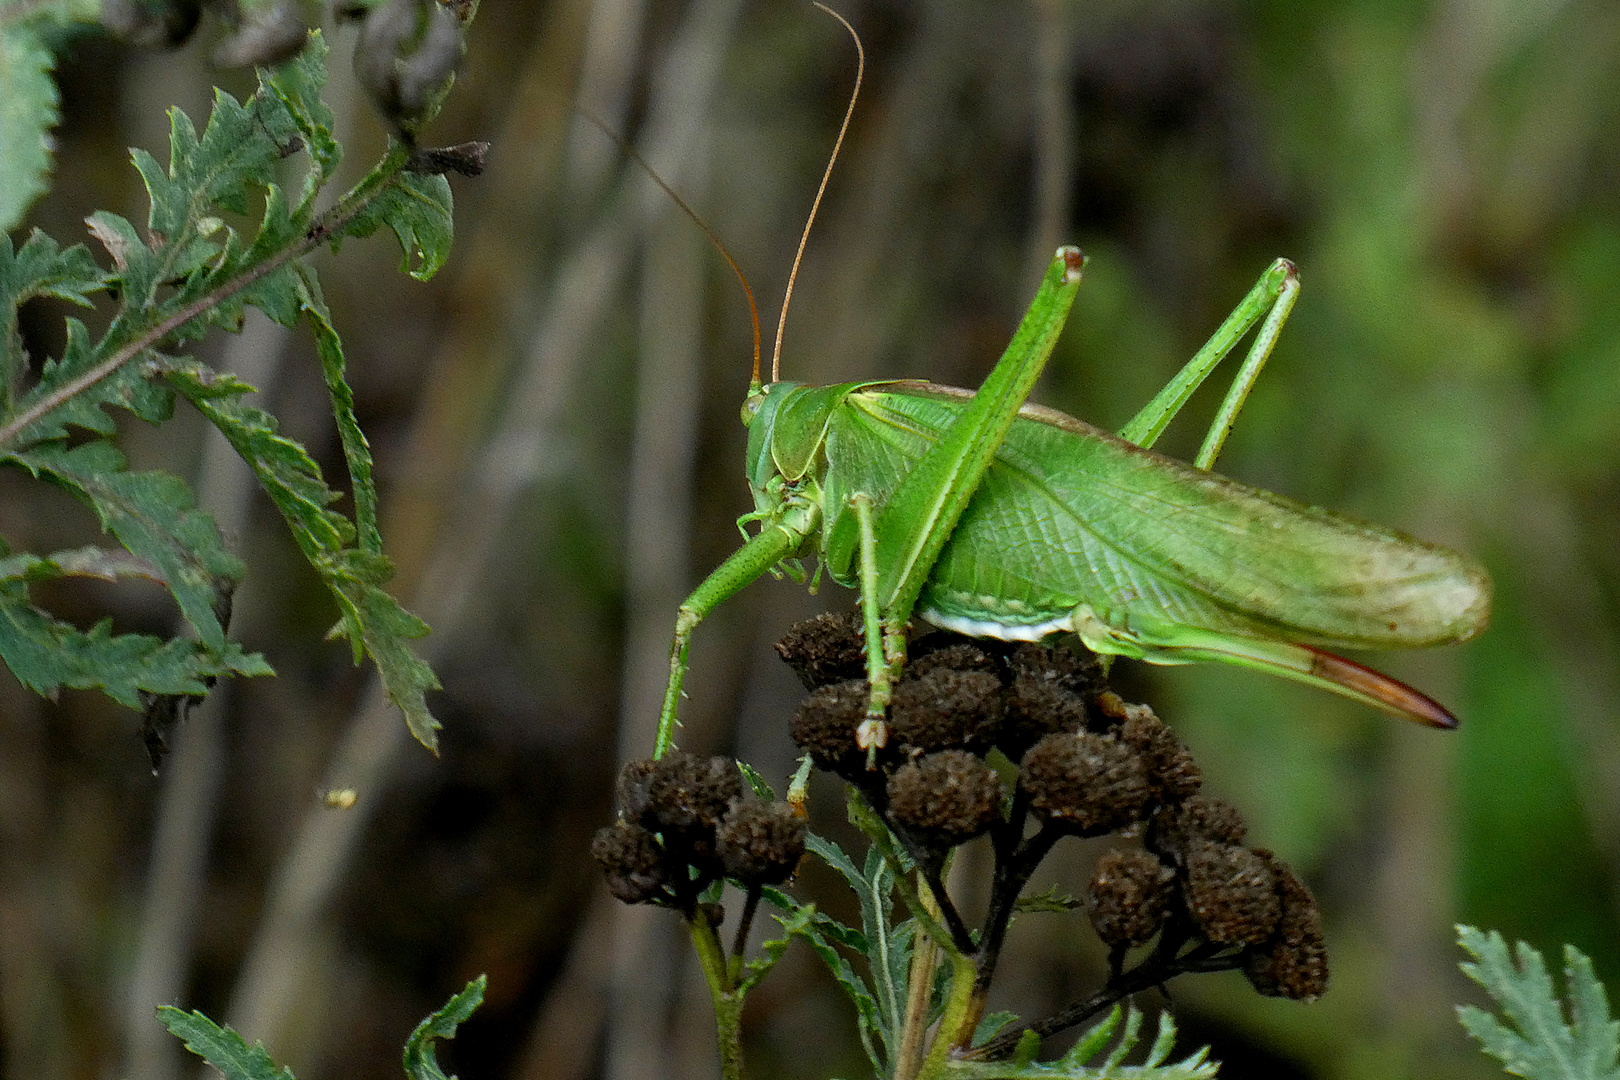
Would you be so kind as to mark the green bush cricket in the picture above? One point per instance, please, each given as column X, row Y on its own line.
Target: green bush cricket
column 995, row 518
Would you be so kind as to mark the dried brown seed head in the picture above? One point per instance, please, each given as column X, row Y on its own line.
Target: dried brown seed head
column 1179, row 827
column 1089, row 783
column 632, row 790
column 953, row 653
column 688, row 795
column 946, row 709
column 1174, row 772
column 633, row 861
column 1292, row 963
column 1079, row 673
column 946, row 798
column 1130, row 896
column 824, row 727
column 1037, row 708
column 1231, row 893
column 761, row 843
column 825, row 650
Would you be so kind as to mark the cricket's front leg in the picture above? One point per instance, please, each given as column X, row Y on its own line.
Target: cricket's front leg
column 774, row 543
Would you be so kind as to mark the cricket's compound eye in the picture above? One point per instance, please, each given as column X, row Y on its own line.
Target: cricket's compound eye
column 751, row 404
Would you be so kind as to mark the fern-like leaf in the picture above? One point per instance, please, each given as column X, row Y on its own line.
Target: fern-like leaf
column 39, row 268
column 228, row 1052
column 1536, row 1042
column 46, row 655
column 153, row 516
column 1077, row 1063
column 197, row 265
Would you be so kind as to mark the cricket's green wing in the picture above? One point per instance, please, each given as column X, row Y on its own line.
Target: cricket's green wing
column 1143, row 555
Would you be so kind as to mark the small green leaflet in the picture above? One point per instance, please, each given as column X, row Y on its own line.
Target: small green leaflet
column 222, row 1047
column 370, row 618
column 1536, row 1042
column 28, row 97
column 228, row 1052
column 418, row 209
column 46, row 655
column 153, row 515
column 420, row 1062
column 39, row 268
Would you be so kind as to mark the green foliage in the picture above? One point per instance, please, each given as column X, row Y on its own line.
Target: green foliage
column 27, row 112
column 879, row 996
column 1536, row 1042
column 228, row 1052
column 1077, row 1063
column 885, row 945
column 222, row 1047
column 420, row 1062
column 196, row 267
column 28, row 99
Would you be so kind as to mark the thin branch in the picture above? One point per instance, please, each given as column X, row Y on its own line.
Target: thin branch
column 1158, row 968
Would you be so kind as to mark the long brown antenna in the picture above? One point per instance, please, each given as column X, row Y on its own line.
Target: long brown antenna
column 630, row 152
column 787, row 295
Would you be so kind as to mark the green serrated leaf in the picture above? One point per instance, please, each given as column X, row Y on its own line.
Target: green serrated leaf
column 420, row 1061
column 154, row 516
column 889, row 947
column 1053, row 899
column 129, row 387
column 221, row 1047
column 1127, row 1042
column 418, row 210
column 107, row 564
column 356, row 451
column 39, row 268
column 28, row 110
column 298, row 85
column 870, row 1017
column 771, row 950
column 1537, row 1043
column 285, row 470
column 47, row 655
column 370, row 618
column 375, row 620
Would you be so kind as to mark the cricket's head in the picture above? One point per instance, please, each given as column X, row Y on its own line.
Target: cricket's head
column 760, row 413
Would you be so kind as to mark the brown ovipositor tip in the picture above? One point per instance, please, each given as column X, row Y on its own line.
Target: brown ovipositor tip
column 1390, row 694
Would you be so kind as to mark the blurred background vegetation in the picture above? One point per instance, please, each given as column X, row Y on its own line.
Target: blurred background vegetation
column 555, row 425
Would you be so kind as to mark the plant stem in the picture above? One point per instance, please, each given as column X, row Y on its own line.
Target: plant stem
column 728, row 1000
column 740, row 942
column 955, row 1026
column 1156, row 969
column 919, row 995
